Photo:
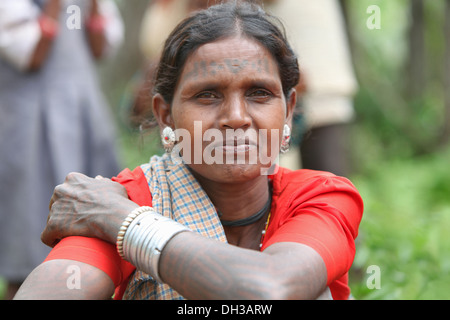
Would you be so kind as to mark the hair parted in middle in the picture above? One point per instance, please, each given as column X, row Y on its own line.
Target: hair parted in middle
column 231, row 18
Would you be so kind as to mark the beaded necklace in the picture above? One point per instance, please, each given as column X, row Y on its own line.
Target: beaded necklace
column 263, row 233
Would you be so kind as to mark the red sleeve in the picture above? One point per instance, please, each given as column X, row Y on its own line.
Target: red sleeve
column 101, row 254
column 94, row 252
column 322, row 212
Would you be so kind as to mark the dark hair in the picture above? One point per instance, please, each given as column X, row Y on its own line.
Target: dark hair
column 219, row 22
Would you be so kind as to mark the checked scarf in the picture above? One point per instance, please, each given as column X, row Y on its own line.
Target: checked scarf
column 175, row 194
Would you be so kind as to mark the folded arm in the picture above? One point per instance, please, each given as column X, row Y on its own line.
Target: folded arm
column 66, row 280
column 198, row 268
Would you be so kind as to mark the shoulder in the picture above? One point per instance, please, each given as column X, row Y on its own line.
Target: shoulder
column 136, row 184
column 284, row 174
column 320, row 210
column 289, row 181
column 302, row 188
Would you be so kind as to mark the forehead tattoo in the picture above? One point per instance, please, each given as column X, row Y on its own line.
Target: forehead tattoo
column 205, row 68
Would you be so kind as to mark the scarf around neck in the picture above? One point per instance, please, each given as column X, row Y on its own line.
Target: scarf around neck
column 178, row 195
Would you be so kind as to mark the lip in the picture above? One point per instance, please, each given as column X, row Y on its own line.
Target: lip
column 234, row 145
column 236, row 149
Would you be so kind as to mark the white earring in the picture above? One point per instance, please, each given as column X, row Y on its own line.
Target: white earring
column 286, row 139
column 168, row 139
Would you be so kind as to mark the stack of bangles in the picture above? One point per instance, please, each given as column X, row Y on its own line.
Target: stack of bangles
column 142, row 237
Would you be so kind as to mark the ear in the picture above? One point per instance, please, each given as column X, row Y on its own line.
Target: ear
column 290, row 106
column 161, row 112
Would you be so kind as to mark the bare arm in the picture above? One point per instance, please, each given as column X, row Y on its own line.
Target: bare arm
column 66, row 280
column 40, row 54
column 95, row 33
column 200, row 268
column 197, row 267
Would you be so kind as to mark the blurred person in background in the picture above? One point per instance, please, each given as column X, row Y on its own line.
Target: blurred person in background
column 53, row 116
column 317, row 32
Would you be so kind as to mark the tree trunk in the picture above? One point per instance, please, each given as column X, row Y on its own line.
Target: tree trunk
column 417, row 57
column 445, row 134
column 116, row 73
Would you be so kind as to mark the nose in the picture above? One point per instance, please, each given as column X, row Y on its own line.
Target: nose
column 234, row 114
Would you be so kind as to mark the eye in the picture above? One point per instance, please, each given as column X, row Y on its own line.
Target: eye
column 260, row 93
column 207, row 95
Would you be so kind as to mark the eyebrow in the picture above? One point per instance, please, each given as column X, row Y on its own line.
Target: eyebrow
column 215, row 84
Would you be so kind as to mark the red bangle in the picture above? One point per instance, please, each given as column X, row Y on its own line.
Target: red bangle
column 49, row 26
column 96, row 23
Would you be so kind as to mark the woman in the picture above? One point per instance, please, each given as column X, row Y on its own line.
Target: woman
column 222, row 230
column 53, row 116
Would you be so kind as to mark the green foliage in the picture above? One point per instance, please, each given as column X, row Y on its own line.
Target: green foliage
column 405, row 123
column 405, row 229
column 402, row 169
column 137, row 148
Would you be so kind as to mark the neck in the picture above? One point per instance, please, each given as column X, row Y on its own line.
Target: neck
column 251, row 219
column 238, row 201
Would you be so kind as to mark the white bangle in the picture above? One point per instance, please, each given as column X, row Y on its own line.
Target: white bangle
column 145, row 238
column 124, row 227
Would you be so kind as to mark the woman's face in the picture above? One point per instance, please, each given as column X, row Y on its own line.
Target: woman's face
column 229, row 110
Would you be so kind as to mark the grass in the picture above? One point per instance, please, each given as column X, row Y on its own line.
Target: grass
column 2, row 289
column 405, row 229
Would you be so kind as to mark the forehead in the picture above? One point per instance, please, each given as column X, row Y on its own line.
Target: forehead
column 232, row 47
column 231, row 55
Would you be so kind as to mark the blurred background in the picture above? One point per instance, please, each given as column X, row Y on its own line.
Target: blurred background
column 401, row 149
column 397, row 143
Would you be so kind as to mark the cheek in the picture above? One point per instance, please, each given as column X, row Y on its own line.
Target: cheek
column 190, row 135
column 272, row 132
column 271, row 144
column 273, row 120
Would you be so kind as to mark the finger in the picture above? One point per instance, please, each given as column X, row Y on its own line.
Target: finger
column 52, row 200
column 76, row 177
column 47, row 237
column 55, row 196
column 49, row 240
column 49, row 243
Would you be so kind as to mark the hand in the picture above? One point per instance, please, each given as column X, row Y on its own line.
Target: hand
column 40, row 54
column 88, row 207
column 95, row 31
column 53, row 9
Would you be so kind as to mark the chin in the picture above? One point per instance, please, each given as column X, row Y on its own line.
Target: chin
column 228, row 173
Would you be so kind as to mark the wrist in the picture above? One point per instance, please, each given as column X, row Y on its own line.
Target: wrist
column 116, row 222
column 96, row 23
column 125, row 225
column 143, row 236
column 49, row 27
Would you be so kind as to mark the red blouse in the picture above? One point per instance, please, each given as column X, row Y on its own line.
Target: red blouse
column 314, row 208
